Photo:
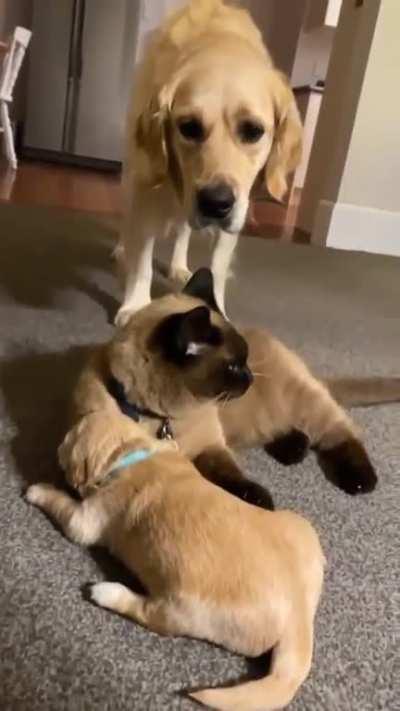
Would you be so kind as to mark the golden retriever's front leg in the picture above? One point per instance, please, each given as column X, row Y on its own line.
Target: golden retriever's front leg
column 220, row 263
column 139, row 273
column 141, row 225
column 179, row 271
column 82, row 522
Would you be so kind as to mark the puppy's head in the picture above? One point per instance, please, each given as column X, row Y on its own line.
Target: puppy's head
column 225, row 117
column 179, row 350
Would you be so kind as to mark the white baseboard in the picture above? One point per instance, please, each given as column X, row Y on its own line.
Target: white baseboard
column 358, row 228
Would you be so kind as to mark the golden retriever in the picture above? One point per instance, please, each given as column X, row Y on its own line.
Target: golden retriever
column 210, row 113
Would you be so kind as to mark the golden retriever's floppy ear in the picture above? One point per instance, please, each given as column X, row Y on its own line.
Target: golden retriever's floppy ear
column 151, row 134
column 286, row 148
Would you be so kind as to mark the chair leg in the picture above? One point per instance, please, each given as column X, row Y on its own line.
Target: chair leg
column 8, row 135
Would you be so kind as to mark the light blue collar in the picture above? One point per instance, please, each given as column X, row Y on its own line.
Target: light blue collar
column 128, row 460
column 138, row 455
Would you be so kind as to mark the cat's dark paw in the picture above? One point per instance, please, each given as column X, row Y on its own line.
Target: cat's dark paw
column 348, row 467
column 251, row 492
column 290, row 448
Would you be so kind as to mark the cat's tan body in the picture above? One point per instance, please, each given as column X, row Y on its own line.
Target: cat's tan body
column 285, row 398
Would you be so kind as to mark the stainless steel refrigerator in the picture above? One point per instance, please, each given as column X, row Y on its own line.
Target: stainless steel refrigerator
column 80, row 75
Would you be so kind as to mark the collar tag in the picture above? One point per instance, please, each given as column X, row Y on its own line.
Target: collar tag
column 165, row 430
column 116, row 390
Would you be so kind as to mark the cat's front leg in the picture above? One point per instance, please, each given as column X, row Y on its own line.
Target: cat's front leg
column 218, row 465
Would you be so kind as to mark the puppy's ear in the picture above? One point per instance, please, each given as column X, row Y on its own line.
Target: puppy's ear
column 286, row 148
column 201, row 286
column 182, row 336
column 152, row 134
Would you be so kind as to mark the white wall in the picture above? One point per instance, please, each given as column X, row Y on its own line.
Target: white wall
column 336, row 120
column 372, row 171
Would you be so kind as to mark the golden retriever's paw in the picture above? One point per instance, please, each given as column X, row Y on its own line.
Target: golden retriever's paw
column 37, row 494
column 118, row 253
column 180, row 277
column 123, row 316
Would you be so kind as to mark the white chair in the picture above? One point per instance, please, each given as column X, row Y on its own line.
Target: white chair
column 8, row 76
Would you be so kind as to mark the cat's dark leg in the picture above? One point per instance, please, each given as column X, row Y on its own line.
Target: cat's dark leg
column 218, row 465
column 347, row 465
column 289, row 448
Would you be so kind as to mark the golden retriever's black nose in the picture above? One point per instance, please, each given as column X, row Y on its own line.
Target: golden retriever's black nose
column 215, row 201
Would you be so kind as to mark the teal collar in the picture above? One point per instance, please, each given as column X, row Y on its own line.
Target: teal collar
column 127, row 460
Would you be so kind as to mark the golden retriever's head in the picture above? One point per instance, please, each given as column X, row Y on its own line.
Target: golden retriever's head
column 224, row 117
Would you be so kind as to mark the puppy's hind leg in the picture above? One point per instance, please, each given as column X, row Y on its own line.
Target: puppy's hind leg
column 80, row 521
column 155, row 615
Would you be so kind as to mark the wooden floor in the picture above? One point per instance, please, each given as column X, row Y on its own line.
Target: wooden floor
column 52, row 185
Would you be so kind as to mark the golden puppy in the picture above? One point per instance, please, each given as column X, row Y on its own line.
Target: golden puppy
column 214, row 567
column 210, row 113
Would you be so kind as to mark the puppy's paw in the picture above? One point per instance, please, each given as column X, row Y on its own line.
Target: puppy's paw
column 37, row 494
column 109, row 595
column 179, row 276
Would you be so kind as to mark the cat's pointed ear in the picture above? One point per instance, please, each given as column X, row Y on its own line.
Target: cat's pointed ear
column 184, row 335
column 201, row 286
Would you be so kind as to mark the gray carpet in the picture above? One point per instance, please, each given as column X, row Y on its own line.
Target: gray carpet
column 58, row 652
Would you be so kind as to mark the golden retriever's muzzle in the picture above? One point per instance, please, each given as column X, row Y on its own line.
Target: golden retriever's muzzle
column 214, row 204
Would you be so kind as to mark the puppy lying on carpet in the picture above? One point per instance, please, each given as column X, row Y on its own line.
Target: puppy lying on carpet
column 214, row 567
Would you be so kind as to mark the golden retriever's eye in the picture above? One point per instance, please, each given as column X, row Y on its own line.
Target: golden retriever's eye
column 192, row 129
column 251, row 131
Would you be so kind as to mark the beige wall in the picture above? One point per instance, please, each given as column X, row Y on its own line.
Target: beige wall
column 338, row 111
column 372, row 171
column 351, row 197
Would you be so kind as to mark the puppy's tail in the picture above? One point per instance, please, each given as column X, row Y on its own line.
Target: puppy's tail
column 291, row 664
column 359, row 392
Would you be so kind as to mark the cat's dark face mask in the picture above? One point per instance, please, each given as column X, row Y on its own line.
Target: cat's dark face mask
column 210, row 355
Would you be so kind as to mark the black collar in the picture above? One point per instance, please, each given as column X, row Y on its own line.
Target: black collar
column 136, row 413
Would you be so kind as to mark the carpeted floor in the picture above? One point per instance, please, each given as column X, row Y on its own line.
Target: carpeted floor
column 58, row 652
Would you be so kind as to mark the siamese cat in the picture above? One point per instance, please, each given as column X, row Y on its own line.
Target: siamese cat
column 285, row 408
column 167, row 368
